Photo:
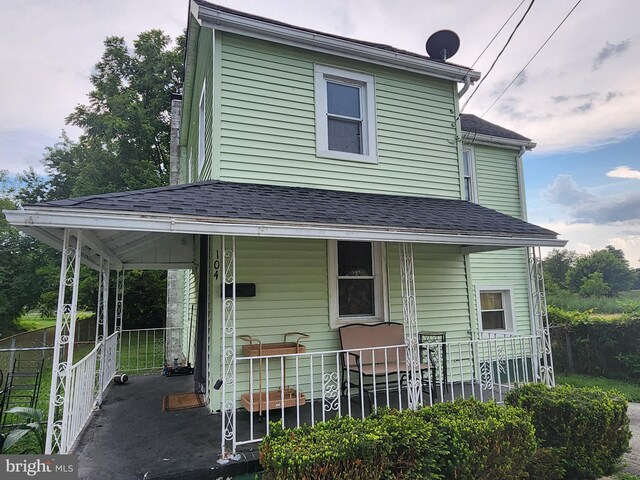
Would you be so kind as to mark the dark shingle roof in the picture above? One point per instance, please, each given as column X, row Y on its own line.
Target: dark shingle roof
column 380, row 46
column 472, row 124
column 271, row 203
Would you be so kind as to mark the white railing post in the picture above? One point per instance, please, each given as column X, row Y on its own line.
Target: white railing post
column 539, row 302
column 228, row 340
column 64, row 338
column 101, row 324
column 117, row 317
column 410, row 321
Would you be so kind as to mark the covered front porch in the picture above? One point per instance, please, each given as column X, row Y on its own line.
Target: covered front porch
column 196, row 228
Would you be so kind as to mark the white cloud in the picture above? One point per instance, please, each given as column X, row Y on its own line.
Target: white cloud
column 585, row 207
column 624, row 172
column 599, row 236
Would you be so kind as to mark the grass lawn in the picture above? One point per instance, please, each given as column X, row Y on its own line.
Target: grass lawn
column 630, row 390
column 34, row 321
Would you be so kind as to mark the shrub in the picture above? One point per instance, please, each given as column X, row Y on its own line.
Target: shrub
column 414, row 447
column 483, row 440
column 600, row 347
column 588, row 426
column 342, row 448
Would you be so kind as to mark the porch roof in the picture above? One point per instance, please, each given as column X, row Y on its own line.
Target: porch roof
column 123, row 225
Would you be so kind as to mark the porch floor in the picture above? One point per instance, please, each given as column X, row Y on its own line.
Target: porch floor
column 130, row 437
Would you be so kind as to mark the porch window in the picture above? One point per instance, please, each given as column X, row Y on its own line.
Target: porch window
column 469, row 175
column 495, row 309
column 356, row 283
column 345, row 114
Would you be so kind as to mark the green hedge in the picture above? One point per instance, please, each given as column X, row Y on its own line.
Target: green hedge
column 483, row 441
column 587, row 428
column 601, row 347
column 341, row 449
column 466, row 439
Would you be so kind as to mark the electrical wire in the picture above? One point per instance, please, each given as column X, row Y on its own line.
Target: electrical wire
column 499, row 54
column 531, row 59
column 495, row 36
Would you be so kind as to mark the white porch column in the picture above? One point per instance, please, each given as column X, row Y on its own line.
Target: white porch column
column 228, row 444
column 410, row 320
column 64, row 339
column 539, row 305
column 102, row 322
column 117, row 317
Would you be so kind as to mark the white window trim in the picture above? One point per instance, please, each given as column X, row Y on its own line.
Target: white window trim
column 368, row 103
column 380, row 287
column 472, row 172
column 202, row 124
column 509, row 309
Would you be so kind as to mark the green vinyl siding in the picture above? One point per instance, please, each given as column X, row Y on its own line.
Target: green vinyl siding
column 497, row 179
column 267, row 124
column 498, row 188
column 505, row 268
column 292, row 296
column 203, row 77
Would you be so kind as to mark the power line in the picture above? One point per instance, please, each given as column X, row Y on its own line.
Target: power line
column 499, row 54
column 496, row 35
column 531, row 59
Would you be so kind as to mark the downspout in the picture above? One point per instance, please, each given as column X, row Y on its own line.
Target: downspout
column 467, row 84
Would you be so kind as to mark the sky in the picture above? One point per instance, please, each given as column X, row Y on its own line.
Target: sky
column 579, row 99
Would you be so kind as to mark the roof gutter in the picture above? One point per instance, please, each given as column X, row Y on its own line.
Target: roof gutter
column 134, row 221
column 479, row 138
column 233, row 23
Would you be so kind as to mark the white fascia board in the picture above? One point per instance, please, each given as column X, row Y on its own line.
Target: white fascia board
column 228, row 22
column 481, row 139
column 135, row 221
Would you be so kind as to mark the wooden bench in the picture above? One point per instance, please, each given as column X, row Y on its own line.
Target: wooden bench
column 376, row 350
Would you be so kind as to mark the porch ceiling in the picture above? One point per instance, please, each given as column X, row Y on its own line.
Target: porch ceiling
column 154, row 228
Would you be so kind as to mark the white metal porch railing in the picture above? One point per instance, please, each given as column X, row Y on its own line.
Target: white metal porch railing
column 108, row 359
column 144, row 350
column 311, row 387
column 80, row 399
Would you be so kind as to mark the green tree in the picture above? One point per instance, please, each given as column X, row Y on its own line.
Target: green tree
column 124, row 146
column 126, row 124
column 610, row 262
column 594, row 286
column 21, row 257
column 557, row 264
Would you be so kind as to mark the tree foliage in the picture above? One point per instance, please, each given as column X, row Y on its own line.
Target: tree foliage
column 126, row 124
column 609, row 262
column 557, row 265
column 21, row 258
column 124, row 146
column 603, row 272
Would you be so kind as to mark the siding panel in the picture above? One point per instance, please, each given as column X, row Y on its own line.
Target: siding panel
column 268, row 125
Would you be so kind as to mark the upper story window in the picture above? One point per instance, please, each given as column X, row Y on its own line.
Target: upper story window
column 356, row 282
column 469, row 175
column 495, row 309
column 202, row 119
column 345, row 114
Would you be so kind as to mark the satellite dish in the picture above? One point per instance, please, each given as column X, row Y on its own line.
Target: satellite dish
column 443, row 45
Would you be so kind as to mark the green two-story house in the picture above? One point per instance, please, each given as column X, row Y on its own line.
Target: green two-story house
column 330, row 187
